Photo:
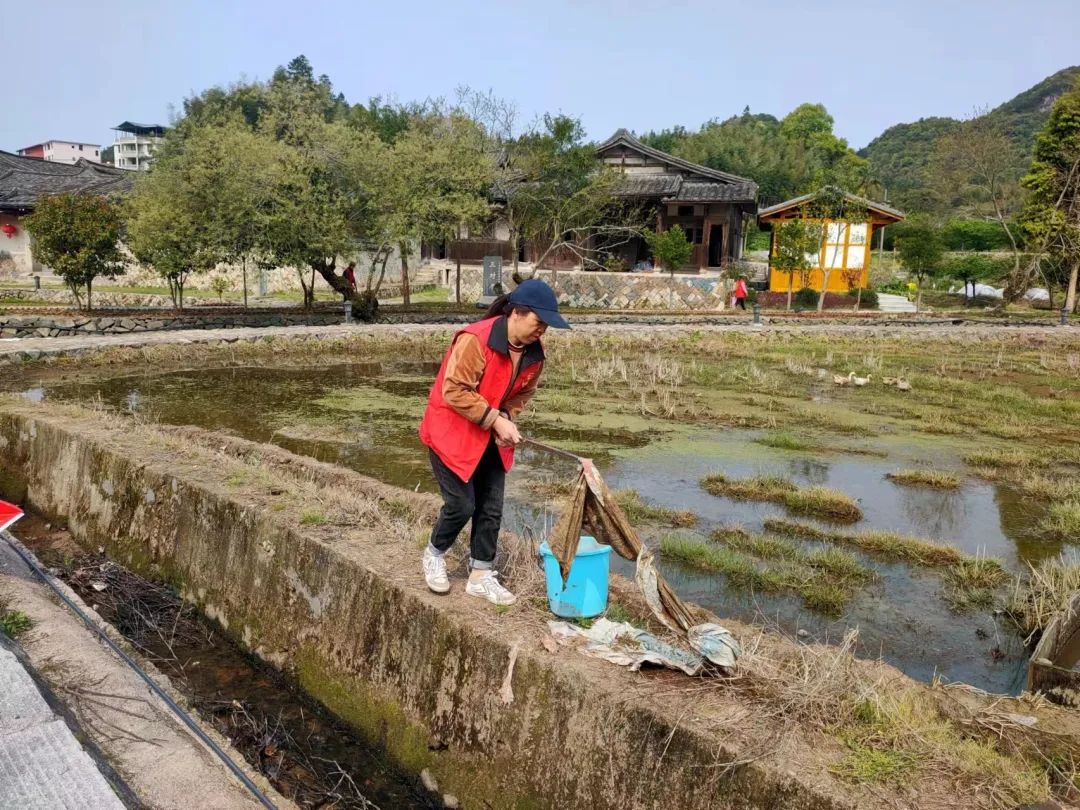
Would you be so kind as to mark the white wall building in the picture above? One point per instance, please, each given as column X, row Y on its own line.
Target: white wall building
column 63, row 151
column 134, row 145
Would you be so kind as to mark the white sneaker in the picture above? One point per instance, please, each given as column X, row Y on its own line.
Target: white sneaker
column 435, row 572
column 488, row 587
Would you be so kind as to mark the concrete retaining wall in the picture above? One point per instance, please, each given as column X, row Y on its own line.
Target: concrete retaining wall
column 336, row 607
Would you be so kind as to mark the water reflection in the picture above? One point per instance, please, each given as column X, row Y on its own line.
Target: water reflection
column 813, row 472
column 935, row 512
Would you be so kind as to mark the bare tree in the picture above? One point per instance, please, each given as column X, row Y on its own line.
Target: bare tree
column 977, row 169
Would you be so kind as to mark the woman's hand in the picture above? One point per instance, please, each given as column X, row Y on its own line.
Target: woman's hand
column 506, row 433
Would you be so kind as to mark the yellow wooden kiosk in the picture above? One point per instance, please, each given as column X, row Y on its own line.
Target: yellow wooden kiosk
column 845, row 246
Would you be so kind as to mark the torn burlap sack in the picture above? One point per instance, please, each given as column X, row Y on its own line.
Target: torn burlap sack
column 593, row 508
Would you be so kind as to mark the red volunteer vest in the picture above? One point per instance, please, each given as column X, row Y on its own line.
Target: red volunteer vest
column 457, row 441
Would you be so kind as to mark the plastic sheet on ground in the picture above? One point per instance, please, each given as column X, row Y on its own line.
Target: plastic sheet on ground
column 625, row 645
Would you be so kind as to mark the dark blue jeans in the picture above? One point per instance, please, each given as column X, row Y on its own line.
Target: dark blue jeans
column 479, row 499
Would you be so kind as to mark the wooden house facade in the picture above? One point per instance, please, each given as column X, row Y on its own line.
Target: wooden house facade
column 711, row 206
column 845, row 251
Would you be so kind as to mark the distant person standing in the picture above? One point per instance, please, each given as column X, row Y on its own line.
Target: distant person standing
column 740, row 293
column 350, row 275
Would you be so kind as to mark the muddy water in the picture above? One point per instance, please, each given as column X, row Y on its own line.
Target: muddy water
column 364, row 417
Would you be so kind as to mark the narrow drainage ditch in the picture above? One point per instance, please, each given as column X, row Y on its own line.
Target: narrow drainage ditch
column 306, row 753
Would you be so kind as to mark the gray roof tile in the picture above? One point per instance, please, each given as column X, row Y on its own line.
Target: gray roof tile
column 23, row 180
column 714, row 192
column 623, row 138
column 648, row 185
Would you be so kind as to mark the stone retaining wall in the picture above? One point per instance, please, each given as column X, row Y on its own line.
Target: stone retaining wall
column 25, row 326
column 47, row 325
column 424, row 676
column 587, row 290
column 102, row 299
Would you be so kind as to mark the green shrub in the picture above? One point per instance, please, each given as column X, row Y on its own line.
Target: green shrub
column 615, row 264
column 895, row 287
column 869, row 298
column 806, row 298
column 974, row 234
column 977, row 267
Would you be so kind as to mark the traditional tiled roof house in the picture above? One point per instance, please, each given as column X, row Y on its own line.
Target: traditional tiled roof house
column 711, row 206
column 23, row 180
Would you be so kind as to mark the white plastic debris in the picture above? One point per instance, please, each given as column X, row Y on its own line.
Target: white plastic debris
column 715, row 643
column 628, row 646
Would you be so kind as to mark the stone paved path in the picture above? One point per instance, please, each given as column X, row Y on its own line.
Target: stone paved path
column 42, row 765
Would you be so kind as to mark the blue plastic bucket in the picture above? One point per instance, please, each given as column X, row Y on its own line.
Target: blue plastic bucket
column 586, row 589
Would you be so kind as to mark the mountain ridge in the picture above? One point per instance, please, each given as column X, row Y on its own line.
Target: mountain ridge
column 900, row 155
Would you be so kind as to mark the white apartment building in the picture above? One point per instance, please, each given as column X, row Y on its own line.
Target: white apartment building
column 134, row 145
column 63, row 151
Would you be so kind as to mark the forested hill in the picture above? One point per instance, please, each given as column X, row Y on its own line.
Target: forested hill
column 801, row 152
column 902, row 153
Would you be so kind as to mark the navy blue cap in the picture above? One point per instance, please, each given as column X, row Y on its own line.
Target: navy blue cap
column 540, row 298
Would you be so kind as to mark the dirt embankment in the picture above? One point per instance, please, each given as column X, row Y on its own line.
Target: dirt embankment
column 313, row 568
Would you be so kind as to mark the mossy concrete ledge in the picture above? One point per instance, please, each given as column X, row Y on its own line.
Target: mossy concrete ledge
column 343, row 609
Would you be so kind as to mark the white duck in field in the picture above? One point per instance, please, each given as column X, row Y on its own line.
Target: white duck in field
column 903, row 384
column 861, row 381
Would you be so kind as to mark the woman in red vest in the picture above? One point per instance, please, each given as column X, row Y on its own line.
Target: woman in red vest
column 487, row 377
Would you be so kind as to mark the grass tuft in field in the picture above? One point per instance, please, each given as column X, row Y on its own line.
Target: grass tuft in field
column 756, row 488
column 866, row 765
column 818, row 501
column 313, row 519
column 925, row 478
column 971, row 583
column 999, row 458
column 1062, row 522
column 826, row 583
column 885, row 544
column 638, row 511
column 824, row 502
column 1049, row 488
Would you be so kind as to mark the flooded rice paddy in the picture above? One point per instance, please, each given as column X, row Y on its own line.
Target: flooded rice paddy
column 364, row 417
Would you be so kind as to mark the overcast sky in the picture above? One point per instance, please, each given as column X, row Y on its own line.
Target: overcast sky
column 75, row 69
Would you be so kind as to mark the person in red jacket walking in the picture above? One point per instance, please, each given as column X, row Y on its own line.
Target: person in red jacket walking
column 740, row 293
column 487, row 377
